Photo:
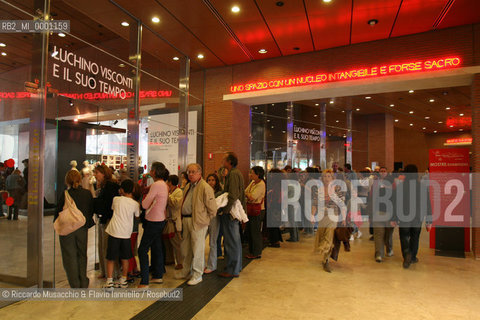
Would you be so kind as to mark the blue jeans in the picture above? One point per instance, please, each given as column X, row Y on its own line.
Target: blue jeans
column 232, row 244
column 152, row 238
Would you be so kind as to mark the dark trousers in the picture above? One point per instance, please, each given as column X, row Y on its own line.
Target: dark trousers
column 409, row 238
column 74, row 257
column 274, row 235
column 13, row 212
column 152, row 238
column 232, row 244
column 254, row 231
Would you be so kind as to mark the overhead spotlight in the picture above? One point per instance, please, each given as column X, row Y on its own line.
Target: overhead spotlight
column 327, row 1
column 358, row 109
column 331, row 101
column 440, row 122
column 396, row 120
column 235, row 9
column 155, row 19
column 121, row 65
column 411, row 124
column 337, row 121
column 411, row 91
column 316, row 104
column 176, row 58
column 200, row 56
column 426, row 118
column 424, row 128
column 368, row 98
column 460, row 130
column 392, row 105
column 115, row 122
column 61, row 34
column 411, row 112
column 461, row 114
column 125, row 24
column 431, row 100
column 75, row 120
column 2, row 44
column 70, row 102
column 262, row 51
column 447, row 108
column 435, row 131
column 315, row 115
column 4, row 54
column 372, row 22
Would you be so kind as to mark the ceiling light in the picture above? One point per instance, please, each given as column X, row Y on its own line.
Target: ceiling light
column 4, row 53
column 427, row 118
column 315, row 115
column 2, row 44
column 273, row 104
column 396, row 120
column 155, row 19
column 268, row 120
column 118, row 114
column 262, row 51
column 235, row 9
column 451, row 126
column 431, row 100
column 337, row 121
column 176, row 58
column 411, row 124
column 411, row 91
column 121, row 65
column 424, row 128
column 372, row 22
column 440, row 121
column 283, row 131
column 200, row 56
column 358, row 109
column 61, row 34
column 460, row 130
column 435, row 131
column 316, row 104
column 327, row 1
column 368, row 98
column 411, row 112
column 392, row 105
column 331, row 101
column 125, row 24
column 461, row 114
column 76, row 119
column 447, row 108
column 272, row 127
column 343, row 111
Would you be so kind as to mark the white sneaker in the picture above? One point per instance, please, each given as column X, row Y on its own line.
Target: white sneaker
column 352, row 238
column 359, row 234
column 193, row 282
column 390, row 253
column 121, row 284
column 156, row 280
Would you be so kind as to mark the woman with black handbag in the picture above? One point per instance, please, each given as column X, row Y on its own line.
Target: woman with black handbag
column 74, row 245
column 255, row 194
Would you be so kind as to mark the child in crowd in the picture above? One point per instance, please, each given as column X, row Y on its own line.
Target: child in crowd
column 120, row 228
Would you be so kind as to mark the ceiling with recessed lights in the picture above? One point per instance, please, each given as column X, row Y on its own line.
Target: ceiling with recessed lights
column 226, row 32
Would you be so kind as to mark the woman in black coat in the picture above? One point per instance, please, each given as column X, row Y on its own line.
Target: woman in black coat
column 74, row 245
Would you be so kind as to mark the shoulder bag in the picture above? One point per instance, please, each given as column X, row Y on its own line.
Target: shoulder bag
column 70, row 218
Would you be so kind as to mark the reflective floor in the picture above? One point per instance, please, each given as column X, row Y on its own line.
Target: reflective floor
column 288, row 283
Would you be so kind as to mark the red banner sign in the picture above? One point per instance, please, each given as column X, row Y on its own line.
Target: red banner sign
column 360, row 73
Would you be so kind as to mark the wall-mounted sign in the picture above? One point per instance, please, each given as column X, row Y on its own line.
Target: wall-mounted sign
column 306, row 134
column 458, row 142
column 360, row 73
column 150, row 94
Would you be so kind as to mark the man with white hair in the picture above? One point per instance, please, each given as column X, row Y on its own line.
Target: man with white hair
column 198, row 208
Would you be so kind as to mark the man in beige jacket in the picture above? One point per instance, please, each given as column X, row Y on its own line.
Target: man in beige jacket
column 198, row 208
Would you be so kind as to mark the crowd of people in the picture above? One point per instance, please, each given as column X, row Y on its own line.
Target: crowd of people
column 13, row 185
column 177, row 213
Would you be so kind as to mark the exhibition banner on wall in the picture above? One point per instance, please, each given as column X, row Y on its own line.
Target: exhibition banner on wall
column 450, row 169
column 163, row 139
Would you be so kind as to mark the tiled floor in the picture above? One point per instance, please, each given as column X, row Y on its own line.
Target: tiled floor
column 288, row 283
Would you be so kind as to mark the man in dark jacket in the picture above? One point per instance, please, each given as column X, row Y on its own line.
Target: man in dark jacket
column 235, row 187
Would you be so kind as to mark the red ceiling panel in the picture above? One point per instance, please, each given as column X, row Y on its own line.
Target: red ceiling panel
column 203, row 23
column 288, row 24
column 249, row 26
column 330, row 22
column 417, row 16
column 384, row 11
column 462, row 12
